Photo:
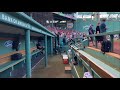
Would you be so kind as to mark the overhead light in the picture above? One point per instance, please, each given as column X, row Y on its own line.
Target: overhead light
column 62, row 21
column 47, row 21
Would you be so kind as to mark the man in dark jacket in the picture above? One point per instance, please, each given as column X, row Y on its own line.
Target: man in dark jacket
column 99, row 38
column 103, row 28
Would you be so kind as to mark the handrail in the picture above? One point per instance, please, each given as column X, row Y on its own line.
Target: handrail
column 106, row 33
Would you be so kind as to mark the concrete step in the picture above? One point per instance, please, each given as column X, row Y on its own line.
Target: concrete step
column 67, row 69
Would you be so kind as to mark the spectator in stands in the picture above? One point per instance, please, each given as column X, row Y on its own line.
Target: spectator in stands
column 91, row 31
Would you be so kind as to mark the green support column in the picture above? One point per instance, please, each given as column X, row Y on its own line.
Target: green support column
column 48, row 45
column 55, row 42
column 112, row 42
column 46, row 58
column 52, row 24
column 97, row 15
column 72, row 54
column 28, row 54
column 96, row 43
column 75, row 40
column 51, row 46
column 88, row 40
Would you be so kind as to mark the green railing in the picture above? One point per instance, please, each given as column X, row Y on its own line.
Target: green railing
column 101, row 34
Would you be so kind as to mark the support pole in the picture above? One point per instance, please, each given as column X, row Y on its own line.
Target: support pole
column 55, row 43
column 96, row 45
column 46, row 58
column 112, row 42
column 28, row 54
column 88, row 40
column 51, row 46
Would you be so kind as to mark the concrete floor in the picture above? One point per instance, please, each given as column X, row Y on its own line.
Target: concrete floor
column 55, row 69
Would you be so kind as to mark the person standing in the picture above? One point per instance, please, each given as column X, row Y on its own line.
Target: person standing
column 103, row 28
column 91, row 31
column 106, row 44
column 99, row 38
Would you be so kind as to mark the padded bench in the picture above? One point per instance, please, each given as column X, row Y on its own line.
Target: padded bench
column 7, row 57
column 10, row 64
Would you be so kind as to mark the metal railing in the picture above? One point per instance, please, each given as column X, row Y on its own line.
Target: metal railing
column 102, row 34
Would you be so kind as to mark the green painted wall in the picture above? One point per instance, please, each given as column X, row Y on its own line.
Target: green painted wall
column 5, row 50
column 80, row 24
column 113, row 25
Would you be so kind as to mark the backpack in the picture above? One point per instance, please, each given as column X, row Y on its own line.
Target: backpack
column 16, row 56
column 106, row 46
